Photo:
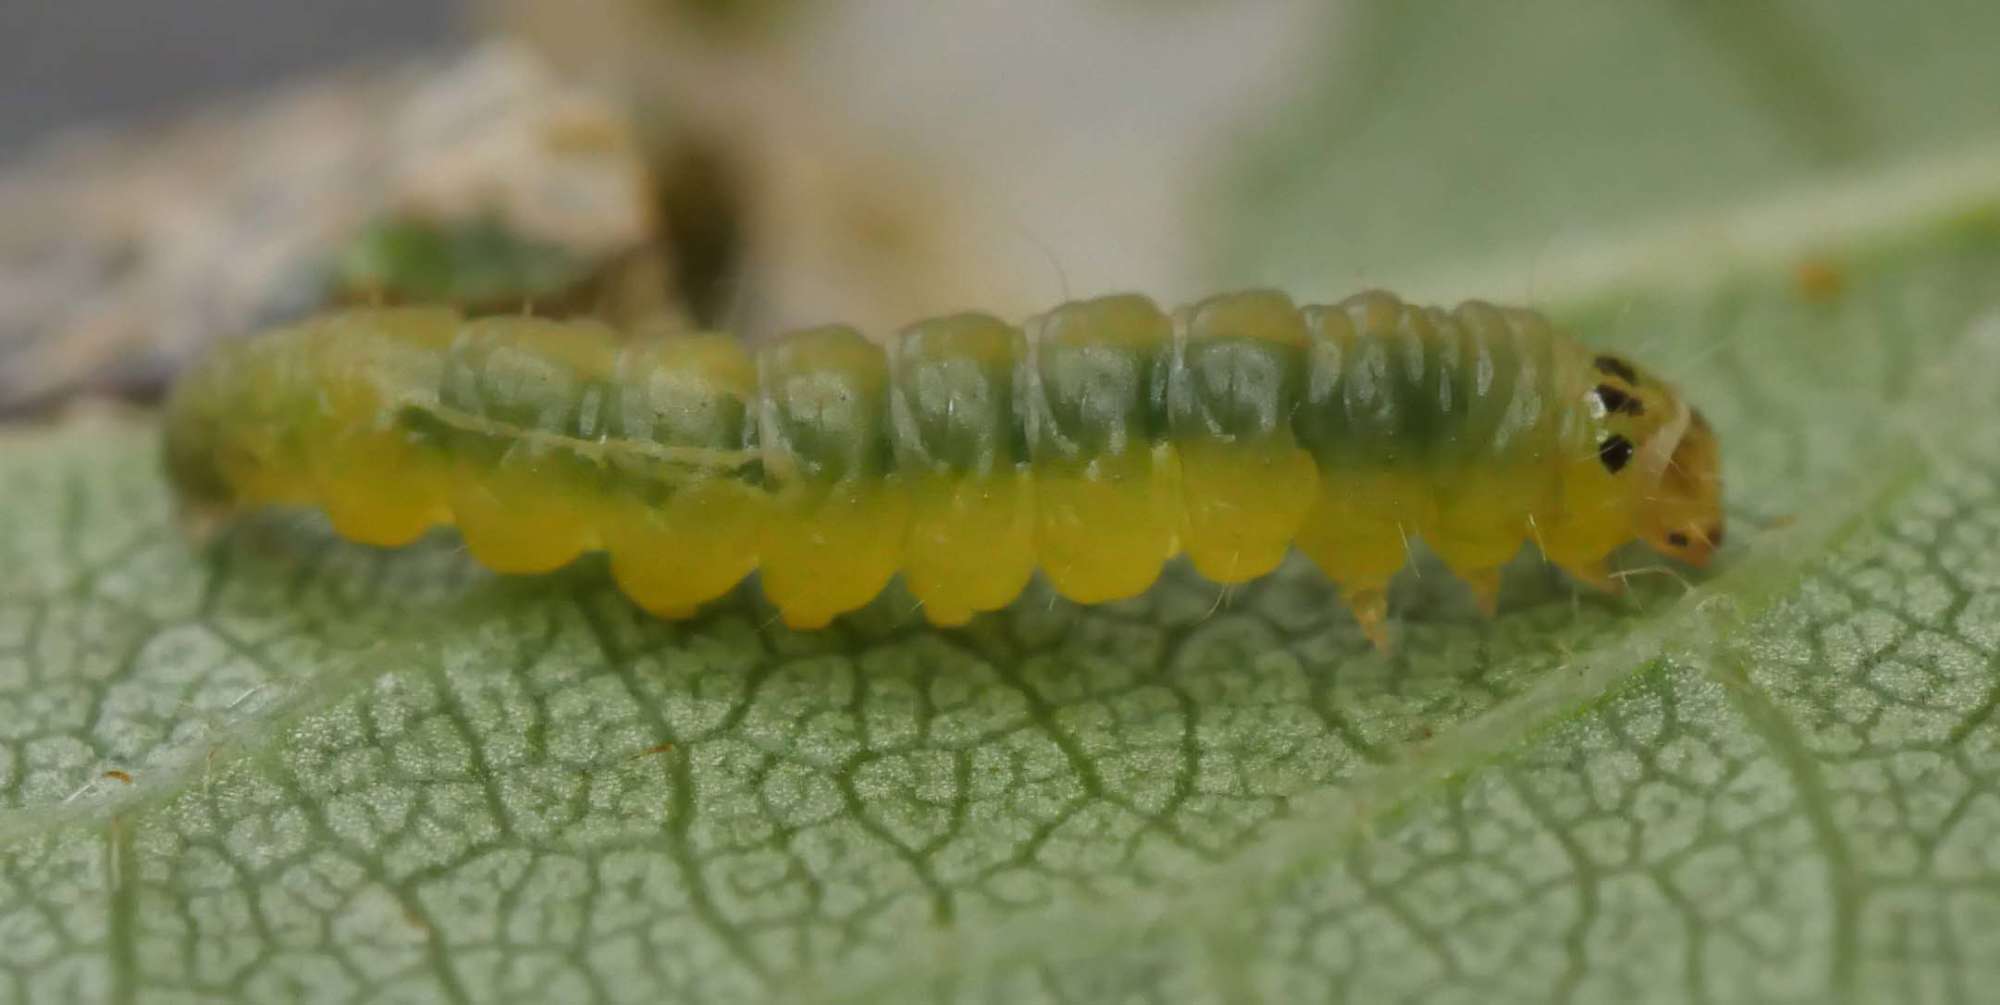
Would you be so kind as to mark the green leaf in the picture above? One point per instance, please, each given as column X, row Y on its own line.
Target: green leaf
column 386, row 775
column 477, row 262
column 1465, row 143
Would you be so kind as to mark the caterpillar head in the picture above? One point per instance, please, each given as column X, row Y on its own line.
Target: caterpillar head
column 1669, row 453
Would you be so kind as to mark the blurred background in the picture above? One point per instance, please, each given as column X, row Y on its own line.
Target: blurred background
column 173, row 174
column 106, row 61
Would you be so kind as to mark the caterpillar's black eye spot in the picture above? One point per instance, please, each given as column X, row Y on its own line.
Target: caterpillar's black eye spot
column 1617, row 368
column 1615, row 400
column 1615, row 452
column 1677, row 539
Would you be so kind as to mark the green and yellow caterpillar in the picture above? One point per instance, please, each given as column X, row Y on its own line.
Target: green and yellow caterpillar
column 1093, row 443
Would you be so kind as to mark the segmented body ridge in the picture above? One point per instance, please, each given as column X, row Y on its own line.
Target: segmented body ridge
column 1094, row 442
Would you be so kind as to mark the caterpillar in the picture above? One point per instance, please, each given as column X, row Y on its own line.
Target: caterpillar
column 1093, row 443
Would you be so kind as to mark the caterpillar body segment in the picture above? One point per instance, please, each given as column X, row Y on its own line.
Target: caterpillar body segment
column 1092, row 443
column 1107, row 490
column 688, row 527
column 963, row 452
column 834, row 533
column 1233, row 393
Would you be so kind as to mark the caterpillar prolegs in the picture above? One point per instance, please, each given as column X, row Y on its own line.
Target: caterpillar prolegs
column 1093, row 443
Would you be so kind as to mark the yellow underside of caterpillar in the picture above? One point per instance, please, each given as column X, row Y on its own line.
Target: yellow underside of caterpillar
column 1099, row 531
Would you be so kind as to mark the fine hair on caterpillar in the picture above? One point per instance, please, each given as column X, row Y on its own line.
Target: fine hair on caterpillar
column 1091, row 444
